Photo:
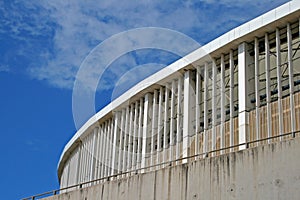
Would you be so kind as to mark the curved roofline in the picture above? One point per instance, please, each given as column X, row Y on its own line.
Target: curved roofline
column 243, row 33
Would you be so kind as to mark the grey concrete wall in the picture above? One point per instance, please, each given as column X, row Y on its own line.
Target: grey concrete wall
column 265, row 172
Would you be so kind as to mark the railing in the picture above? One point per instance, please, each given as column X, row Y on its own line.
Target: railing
column 168, row 163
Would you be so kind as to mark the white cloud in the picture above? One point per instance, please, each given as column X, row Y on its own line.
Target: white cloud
column 78, row 26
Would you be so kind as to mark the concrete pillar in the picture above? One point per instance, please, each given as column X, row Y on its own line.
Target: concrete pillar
column 268, row 90
column 130, row 138
column 126, row 135
column 172, row 121
column 140, row 133
column 223, row 110
column 146, row 127
column 291, row 79
column 78, row 172
column 160, row 126
column 214, row 107
column 106, row 136
column 121, row 146
column 179, row 118
column 279, row 83
column 98, row 162
column 115, row 147
column 198, row 110
column 93, row 154
column 154, row 127
column 205, row 99
column 257, row 88
column 243, row 84
column 135, row 134
column 231, row 105
column 188, row 116
column 166, row 123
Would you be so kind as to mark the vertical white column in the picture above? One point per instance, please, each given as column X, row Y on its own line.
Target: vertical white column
column 205, row 99
column 257, row 95
column 126, row 139
column 135, row 134
column 78, row 172
column 279, row 83
column 121, row 146
column 172, row 121
column 93, row 154
column 102, row 150
column 115, row 147
column 111, row 147
column 84, row 159
column 106, row 136
column 140, row 133
column 222, row 91
column 187, row 113
column 243, row 94
column 166, row 123
column 197, row 114
column 214, row 105
column 154, row 127
column 98, row 163
column 231, row 66
column 179, row 118
column 160, row 126
column 130, row 139
column 291, row 79
column 268, row 91
column 147, row 106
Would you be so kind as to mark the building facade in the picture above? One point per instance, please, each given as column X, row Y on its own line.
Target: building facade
column 231, row 94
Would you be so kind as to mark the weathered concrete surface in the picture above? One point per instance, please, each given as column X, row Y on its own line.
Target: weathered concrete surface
column 265, row 172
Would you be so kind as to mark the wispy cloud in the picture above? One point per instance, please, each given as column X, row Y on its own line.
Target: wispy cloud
column 55, row 36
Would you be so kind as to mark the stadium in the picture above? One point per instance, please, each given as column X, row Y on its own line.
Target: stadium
column 238, row 94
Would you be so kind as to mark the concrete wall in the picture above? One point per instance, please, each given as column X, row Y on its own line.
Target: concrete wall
column 265, row 172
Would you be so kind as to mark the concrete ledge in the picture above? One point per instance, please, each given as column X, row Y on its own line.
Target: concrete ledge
column 266, row 172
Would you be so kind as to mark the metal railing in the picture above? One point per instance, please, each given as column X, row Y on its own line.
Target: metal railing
column 168, row 163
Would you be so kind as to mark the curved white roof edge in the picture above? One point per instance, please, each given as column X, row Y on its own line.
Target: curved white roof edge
column 275, row 17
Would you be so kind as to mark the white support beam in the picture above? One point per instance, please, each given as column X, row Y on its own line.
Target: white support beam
column 268, row 83
column 115, row 149
column 231, row 105
column 93, row 155
column 98, row 163
column 135, row 134
column 147, row 106
column 130, row 138
column 166, row 123
column 279, row 83
column 172, row 120
column 243, row 85
column 223, row 114
column 126, row 135
column 78, row 172
column 107, row 132
column 179, row 118
column 187, row 114
column 103, row 149
column 214, row 106
column 140, row 133
column 160, row 125
column 291, row 79
column 121, row 146
column 257, row 88
column 198, row 110
column 205, row 99
column 154, row 127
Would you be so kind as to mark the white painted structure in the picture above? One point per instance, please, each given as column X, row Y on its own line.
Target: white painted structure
column 241, row 87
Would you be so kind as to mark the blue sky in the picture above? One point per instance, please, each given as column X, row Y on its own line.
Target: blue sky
column 42, row 45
